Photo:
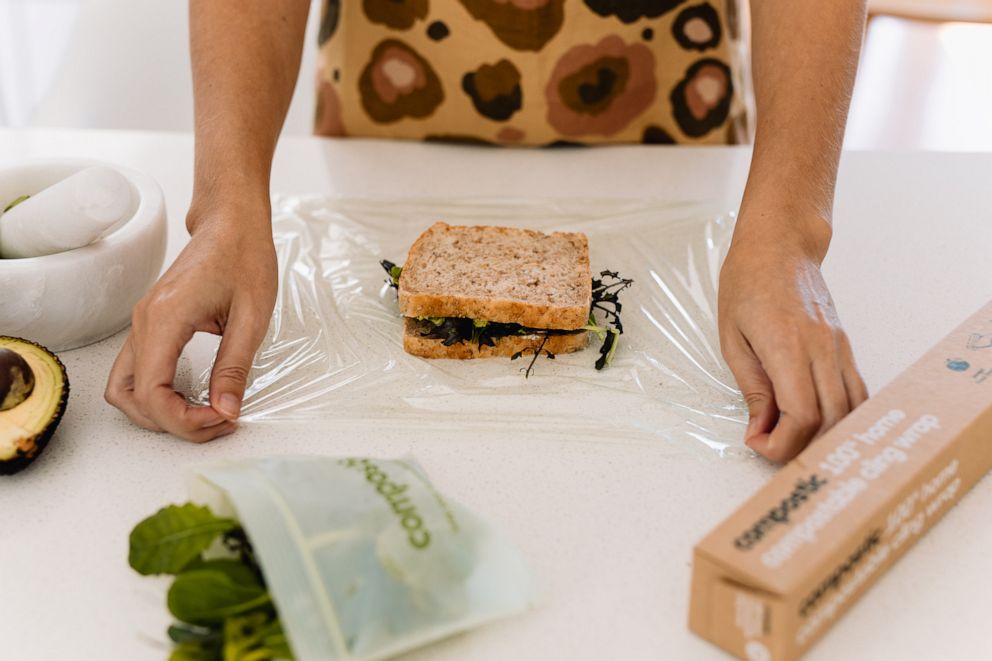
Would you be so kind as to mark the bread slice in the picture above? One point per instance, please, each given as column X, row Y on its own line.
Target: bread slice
column 415, row 343
column 498, row 274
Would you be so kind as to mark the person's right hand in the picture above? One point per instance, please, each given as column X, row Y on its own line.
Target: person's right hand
column 224, row 282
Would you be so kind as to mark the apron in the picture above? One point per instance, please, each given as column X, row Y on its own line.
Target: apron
column 534, row 72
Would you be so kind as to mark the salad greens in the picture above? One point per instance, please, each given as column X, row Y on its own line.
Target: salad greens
column 394, row 272
column 605, row 298
column 219, row 596
column 169, row 541
column 215, row 590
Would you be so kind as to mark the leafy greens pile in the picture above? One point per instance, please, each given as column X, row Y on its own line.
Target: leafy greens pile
column 605, row 298
column 219, row 596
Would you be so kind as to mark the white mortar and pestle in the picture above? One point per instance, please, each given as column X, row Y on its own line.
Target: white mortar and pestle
column 80, row 244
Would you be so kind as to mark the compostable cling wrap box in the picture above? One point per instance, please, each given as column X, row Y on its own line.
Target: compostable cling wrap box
column 773, row 577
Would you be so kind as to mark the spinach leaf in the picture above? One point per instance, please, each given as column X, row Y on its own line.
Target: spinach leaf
column 255, row 636
column 393, row 271
column 608, row 348
column 218, row 590
column 234, row 569
column 454, row 330
column 193, row 651
column 224, row 610
column 606, row 298
column 237, row 543
column 191, row 633
column 167, row 541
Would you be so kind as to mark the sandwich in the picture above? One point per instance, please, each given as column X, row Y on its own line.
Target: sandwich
column 481, row 292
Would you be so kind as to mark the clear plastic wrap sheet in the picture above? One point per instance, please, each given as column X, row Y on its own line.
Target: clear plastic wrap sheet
column 334, row 347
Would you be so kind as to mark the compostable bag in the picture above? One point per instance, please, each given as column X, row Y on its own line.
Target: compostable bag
column 363, row 557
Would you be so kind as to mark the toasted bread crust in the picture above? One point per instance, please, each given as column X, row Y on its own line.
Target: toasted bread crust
column 496, row 288
column 415, row 344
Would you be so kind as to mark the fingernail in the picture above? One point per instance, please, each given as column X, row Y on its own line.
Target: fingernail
column 229, row 405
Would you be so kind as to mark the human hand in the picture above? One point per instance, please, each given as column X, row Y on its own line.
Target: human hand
column 782, row 338
column 224, row 282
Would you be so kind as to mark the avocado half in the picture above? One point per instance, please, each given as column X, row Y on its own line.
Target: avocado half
column 34, row 390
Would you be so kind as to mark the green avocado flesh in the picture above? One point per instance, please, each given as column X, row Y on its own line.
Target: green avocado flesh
column 34, row 390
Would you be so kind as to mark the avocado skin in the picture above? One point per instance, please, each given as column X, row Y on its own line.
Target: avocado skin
column 39, row 441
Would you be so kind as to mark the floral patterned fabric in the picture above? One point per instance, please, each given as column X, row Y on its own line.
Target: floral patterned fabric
column 532, row 72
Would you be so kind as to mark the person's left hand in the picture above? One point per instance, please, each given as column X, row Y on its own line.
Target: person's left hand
column 781, row 336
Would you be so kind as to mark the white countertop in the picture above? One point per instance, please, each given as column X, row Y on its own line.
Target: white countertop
column 609, row 528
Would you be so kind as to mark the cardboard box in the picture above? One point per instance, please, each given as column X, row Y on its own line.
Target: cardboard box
column 772, row 578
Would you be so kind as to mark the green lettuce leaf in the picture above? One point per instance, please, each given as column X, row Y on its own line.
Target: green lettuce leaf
column 255, row 637
column 194, row 651
column 215, row 591
column 169, row 540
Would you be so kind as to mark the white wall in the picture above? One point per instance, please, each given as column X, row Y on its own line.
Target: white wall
column 125, row 66
column 33, row 35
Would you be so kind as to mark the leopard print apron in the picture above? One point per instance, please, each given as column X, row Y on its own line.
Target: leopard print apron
column 533, row 72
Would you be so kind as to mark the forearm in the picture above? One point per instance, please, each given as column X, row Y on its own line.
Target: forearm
column 805, row 56
column 246, row 59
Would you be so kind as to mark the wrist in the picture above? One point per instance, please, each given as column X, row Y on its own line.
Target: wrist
column 797, row 230
column 230, row 182
column 235, row 199
column 789, row 199
column 246, row 210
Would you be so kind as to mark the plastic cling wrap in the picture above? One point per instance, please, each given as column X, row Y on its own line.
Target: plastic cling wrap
column 334, row 347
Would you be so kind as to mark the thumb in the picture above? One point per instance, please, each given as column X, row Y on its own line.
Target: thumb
column 756, row 387
column 234, row 359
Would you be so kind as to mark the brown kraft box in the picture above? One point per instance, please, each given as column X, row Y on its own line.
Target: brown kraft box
column 773, row 577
